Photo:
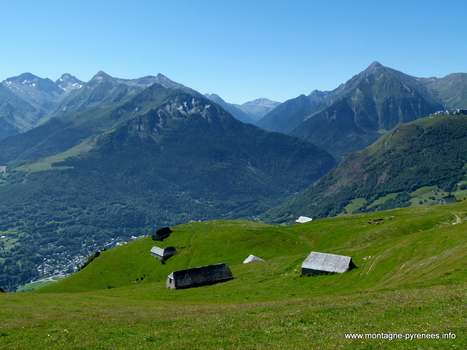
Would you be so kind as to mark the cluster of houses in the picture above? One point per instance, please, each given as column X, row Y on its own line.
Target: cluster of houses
column 451, row 112
column 316, row 263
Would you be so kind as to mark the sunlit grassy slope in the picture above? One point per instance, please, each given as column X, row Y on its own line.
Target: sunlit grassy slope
column 425, row 245
column 411, row 279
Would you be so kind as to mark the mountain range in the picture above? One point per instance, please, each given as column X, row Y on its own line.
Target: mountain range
column 27, row 101
column 127, row 159
column 88, row 164
column 371, row 103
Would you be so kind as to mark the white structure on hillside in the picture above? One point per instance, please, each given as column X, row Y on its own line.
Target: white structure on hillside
column 303, row 219
column 252, row 258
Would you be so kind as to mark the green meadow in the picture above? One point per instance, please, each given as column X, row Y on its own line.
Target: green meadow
column 408, row 292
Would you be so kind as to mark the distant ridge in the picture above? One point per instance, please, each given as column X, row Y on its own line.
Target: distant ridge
column 249, row 112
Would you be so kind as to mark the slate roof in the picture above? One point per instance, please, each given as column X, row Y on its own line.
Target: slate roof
column 448, row 200
column 318, row 263
column 157, row 252
column 199, row 276
column 161, row 234
column 163, row 253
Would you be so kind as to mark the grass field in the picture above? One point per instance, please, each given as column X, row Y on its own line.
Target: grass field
column 410, row 283
column 38, row 284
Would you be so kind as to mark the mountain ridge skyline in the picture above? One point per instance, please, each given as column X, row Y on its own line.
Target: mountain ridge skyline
column 49, row 97
column 316, row 90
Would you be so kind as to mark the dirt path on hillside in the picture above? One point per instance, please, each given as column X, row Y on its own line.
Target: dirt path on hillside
column 458, row 219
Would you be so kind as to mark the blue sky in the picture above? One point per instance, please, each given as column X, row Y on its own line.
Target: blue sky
column 241, row 50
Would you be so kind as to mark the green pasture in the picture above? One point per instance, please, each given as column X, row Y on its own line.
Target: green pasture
column 411, row 282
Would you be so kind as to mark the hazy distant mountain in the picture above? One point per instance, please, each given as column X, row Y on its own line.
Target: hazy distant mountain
column 357, row 113
column 450, row 90
column 249, row 112
column 258, row 108
column 16, row 115
column 413, row 160
column 290, row 114
column 40, row 93
column 231, row 108
column 29, row 99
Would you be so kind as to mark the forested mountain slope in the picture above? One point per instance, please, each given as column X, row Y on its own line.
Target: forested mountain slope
column 425, row 157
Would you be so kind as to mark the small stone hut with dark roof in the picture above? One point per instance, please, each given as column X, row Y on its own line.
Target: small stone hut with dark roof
column 161, row 234
column 322, row 263
column 447, row 200
column 199, row 276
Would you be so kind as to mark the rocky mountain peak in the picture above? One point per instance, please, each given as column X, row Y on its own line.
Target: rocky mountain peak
column 373, row 68
column 101, row 75
column 68, row 83
column 375, row 65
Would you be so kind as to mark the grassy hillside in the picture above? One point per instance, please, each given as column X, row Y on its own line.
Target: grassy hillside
column 388, row 252
column 410, row 280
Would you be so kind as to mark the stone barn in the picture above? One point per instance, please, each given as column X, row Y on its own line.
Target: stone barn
column 161, row 234
column 163, row 254
column 322, row 263
column 199, row 276
column 447, row 200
